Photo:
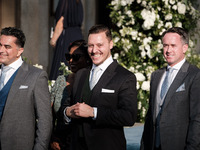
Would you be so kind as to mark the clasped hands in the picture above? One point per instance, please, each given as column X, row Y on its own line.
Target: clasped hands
column 80, row 110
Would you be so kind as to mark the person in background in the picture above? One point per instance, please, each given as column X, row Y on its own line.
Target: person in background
column 69, row 17
column 173, row 118
column 77, row 59
column 25, row 107
column 98, row 112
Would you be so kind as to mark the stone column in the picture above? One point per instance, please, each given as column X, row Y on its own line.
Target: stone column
column 89, row 16
column 34, row 21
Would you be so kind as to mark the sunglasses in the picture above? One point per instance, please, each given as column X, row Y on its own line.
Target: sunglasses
column 75, row 57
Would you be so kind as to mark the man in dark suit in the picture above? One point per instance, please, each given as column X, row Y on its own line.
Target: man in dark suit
column 99, row 112
column 25, row 110
column 173, row 119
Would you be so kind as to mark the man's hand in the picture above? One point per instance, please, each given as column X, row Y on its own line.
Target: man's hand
column 70, row 112
column 83, row 110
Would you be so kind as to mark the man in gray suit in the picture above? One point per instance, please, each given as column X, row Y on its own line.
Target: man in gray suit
column 173, row 119
column 25, row 110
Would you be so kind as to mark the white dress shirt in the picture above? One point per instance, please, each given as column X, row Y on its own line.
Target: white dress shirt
column 13, row 67
column 102, row 67
column 176, row 69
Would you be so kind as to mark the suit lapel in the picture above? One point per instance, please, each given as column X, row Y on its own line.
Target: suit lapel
column 21, row 75
column 78, row 86
column 103, row 81
column 176, row 83
column 155, row 84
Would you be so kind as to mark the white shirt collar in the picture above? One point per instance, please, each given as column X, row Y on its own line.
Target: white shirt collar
column 105, row 64
column 16, row 64
column 178, row 65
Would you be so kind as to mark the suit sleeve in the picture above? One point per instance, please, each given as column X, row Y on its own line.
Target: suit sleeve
column 43, row 112
column 193, row 138
column 125, row 113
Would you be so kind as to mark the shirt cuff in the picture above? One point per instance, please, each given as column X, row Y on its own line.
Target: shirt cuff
column 95, row 113
column 67, row 119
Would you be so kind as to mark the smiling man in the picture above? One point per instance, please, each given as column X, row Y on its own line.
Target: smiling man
column 104, row 98
column 173, row 119
column 25, row 110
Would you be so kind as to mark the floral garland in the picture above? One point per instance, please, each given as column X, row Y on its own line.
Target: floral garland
column 138, row 26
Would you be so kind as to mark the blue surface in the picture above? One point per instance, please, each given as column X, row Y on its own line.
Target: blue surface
column 133, row 137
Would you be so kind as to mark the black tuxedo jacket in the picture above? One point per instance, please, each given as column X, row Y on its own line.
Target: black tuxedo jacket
column 180, row 116
column 115, row 97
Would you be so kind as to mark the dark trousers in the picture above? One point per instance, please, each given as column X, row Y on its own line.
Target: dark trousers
column 158, row 148
column 82, row 144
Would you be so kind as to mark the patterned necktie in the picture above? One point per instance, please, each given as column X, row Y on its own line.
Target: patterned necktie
column 94, row 77
column 3, row 76
column 166, row 82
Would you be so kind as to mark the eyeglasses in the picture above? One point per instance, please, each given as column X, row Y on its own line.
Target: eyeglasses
column 75, row 57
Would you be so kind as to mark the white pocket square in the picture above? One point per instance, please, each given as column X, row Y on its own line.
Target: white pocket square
column 107, row 91
column 23, row 87
column 181, row 88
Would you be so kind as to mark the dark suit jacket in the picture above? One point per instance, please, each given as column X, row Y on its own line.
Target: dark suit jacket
column 27, row 121
column 114, row 110
column 180, row 117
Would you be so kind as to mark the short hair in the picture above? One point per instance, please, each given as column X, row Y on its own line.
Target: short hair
column 100, row 28
column 180, row 31
column 12, row 31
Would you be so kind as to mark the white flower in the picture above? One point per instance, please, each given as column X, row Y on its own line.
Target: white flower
column 140, row 76
column 138, row 86
column 116, row 56
column 172, row 2
column 149, row 19
column 174, row 7
column 38, row 66
column 129, row 13
column 160, row 24
column 181, row 8
column 178, row 24
column 62, row 63
column 168, row 17
column 134, row 34
column 123, row 2
column 143, row 53
column 168, row 25
column 139, row 1
column 191, row 43
column 146, row 86
column 143, row 111
column 115, row 39
column 132, row 69
column 139, row 105
column 144, row 3
column 161, row 32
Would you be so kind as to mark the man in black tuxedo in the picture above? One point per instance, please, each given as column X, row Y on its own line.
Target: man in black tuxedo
column 173, row 119
column 99, row 111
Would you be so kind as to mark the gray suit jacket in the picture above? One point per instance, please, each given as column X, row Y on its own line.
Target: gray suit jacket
column 180, row 117
column 27, row 120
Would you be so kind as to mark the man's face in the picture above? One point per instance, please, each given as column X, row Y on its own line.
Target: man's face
column 173, row 48
column 99, row 47
column 9, row 51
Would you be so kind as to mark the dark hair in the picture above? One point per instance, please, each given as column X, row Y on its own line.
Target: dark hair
column 180, row 31
column 12, row 31
column 82, row 45
column 100, row 28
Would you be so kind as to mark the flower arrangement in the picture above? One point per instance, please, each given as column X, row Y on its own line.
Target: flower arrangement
column 137, row 29
column 65, row 71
